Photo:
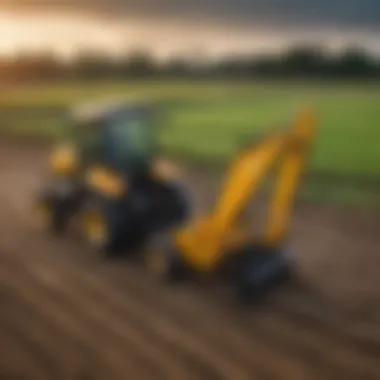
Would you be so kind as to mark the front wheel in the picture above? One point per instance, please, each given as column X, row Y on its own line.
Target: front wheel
column 98, row 226
column 51, row 214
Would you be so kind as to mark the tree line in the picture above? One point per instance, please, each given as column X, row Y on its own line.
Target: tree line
column 298, row 62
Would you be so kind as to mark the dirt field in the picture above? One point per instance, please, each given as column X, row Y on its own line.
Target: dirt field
column 65, row 314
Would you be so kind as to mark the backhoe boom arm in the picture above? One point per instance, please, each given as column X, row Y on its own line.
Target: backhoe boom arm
column 205, row 241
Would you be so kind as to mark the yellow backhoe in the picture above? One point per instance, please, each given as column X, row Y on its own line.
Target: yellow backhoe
column 218, row 243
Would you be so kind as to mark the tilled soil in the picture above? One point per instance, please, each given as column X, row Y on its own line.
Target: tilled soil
column 67, row 314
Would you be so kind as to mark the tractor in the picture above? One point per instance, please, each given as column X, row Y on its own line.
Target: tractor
column 219, row 244
column 107, row 175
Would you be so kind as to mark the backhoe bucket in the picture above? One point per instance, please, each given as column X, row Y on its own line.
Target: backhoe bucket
column 258, row 270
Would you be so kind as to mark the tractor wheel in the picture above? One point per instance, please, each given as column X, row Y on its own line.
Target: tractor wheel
column 56, row 203
column 99, row 228
column 51, row 214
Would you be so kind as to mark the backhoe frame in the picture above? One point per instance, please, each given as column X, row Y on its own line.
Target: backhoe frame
column 217, row 241
column 203, row 242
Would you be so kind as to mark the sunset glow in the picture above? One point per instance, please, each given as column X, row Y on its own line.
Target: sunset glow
column 61, row 34
column 68, row 33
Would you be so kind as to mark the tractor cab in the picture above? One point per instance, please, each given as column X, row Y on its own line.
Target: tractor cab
column 120, row 136
column 108, row 173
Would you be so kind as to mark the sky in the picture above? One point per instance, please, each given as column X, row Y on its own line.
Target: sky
column 167, row 27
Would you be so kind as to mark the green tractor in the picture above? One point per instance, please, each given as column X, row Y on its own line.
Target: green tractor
column 109, row 177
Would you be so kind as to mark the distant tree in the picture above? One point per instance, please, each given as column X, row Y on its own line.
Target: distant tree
column 175, row 67
column 4, row 70
column 27, row 66
column 299, row 61
column 138, row 64
column 234, row 67
column 304, row 60
column 91, row 64
column 354, row 62
column 267, row 66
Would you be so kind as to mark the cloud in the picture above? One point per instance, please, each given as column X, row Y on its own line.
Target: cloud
column 361, row 14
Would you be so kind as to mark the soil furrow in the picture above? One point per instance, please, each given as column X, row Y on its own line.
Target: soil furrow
column 17, row 362
column 68, row 315
column 161, row 328
column 53, row 317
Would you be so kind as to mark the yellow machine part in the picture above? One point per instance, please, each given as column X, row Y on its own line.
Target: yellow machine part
column 105, row 181
column 63, row 160
column 203, row 242
column 95, row 227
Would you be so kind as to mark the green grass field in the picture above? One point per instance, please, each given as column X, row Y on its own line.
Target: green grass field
column 204, row 122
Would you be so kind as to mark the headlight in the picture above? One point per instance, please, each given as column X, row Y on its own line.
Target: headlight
column 106, row 182
column 164, row 169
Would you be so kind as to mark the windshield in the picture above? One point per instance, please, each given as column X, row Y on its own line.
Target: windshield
column 131, row 138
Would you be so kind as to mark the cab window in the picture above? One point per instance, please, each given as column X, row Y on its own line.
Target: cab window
column 130, row 138
column 90, row 141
